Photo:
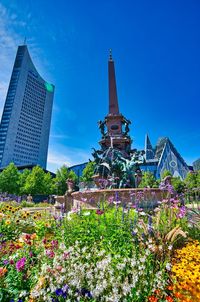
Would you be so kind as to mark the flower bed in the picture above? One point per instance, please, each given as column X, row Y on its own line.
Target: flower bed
column 114, row 253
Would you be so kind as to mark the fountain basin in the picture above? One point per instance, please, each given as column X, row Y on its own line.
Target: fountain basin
column 143, row 197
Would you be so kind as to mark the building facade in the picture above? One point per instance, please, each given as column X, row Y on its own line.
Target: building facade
column 26, row 118
column 196, row 165
column 164, row 157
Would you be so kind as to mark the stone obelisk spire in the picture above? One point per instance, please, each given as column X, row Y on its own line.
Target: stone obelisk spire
column 115, row 137
column 113, row 100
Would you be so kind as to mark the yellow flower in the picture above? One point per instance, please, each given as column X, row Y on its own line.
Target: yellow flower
column 7, row 222
column 186, row 272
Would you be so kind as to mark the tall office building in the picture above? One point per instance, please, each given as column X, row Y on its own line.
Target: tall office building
column 26, row 118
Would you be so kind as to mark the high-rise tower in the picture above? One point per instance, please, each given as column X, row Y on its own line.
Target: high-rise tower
column 26, row 118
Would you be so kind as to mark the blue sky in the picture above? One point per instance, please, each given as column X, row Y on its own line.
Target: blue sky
column 156, row 51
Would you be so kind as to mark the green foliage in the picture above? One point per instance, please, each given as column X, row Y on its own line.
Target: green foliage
column 62, row 175
column 9, row 179
column 191, row 180
column 148, row 181
column 88, row 172
column 166, row 173
column 22, row 181
column 38, row 182
column 198, row 179
column 178, row 184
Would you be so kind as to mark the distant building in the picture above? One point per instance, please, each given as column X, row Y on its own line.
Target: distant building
column 78, row 169
column 196, row 165
column 26, row 118
column 164, row 157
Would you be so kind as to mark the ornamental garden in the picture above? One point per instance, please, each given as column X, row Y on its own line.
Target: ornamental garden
column 116, row 252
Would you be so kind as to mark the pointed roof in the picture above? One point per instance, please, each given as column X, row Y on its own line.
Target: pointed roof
column 113, row 100
column 149, row 152
column 172, row 161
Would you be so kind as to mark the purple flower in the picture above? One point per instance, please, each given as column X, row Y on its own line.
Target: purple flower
column 59, row 292
column 86, row 293
column 150, row 227
column 5, row 262
column 20, row 264
column 182, row 212
column 65, row 288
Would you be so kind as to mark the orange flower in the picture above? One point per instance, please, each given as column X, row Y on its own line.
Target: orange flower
column 177, row 295
column 153, row 299
column 3, row 270
column 33, row 236
column 170, row 287
column 169, row 299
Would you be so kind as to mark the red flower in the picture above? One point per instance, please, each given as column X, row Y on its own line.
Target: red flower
column 99, row 212
column 153, row 299
column 169, row 299
column 157, row 291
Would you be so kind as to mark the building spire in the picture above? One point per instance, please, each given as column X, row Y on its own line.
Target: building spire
column 113, row 100
column 149, row 152
column 110, row 56
column 24, row 40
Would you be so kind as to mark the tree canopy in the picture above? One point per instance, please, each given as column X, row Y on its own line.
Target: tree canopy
column 62, row 175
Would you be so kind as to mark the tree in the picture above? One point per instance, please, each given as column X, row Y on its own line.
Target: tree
column 191, row 180
column 148, row 180
column 88, row 172
column 62, row 175
column 38, row 182
column 198, row 179
column 165, row 173
column 9, row 179
column 178, row 184
column 22, row 181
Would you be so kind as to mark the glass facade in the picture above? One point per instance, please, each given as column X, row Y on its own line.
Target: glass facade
column 25, row 123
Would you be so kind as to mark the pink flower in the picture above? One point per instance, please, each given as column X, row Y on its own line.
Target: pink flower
column 99, row 212
column 54, row 243
column 111, row 199
column 50, row 253
column 20, row 264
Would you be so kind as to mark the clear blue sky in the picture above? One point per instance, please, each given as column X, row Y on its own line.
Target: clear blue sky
column 156, row 46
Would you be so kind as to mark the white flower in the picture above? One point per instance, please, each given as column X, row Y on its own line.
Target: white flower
column 170, row 247
column 23, row 293
column 142, row 260
column 86, row 213
column 168, row 266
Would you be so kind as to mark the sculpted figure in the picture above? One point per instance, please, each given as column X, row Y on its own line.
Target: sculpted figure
column 96, row 156
column 102, row 127
column 126, row 124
